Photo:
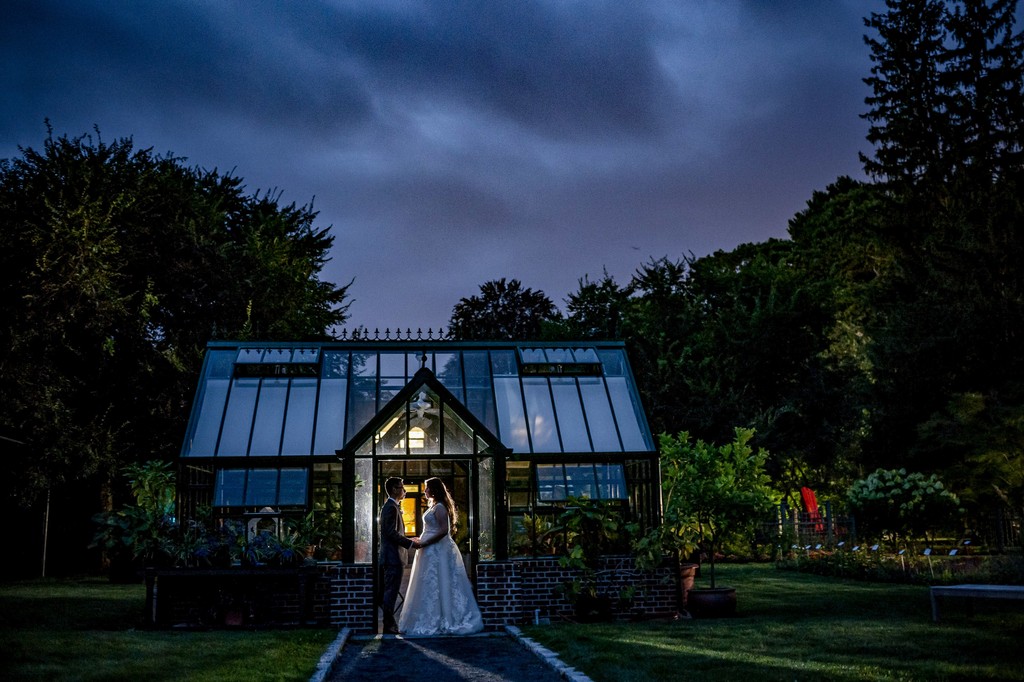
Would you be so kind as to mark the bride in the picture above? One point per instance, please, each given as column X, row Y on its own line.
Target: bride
column 439, row 600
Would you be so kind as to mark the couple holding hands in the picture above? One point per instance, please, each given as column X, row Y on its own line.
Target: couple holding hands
column 439, row 600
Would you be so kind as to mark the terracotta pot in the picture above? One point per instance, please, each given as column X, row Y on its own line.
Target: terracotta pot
column 719, row 602
column 687, row 574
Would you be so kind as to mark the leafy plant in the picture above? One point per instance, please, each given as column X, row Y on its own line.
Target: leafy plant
column 894, row 505
column 712, row 493
column 144, row 530
column 591, row 530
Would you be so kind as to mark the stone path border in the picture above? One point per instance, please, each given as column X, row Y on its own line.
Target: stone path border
column 548, row 656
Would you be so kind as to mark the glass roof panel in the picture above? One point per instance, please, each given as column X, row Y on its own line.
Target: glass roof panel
column 540, row 415
column 571, row 423
column 277, row 404
column 330, row 416
column 266, row 431
column 627, row 415
column 306, row 356
column 249, row 355
column 277, row 356
column 512, row 430
column 599, row 415
column 298, row 424
column 234, row 436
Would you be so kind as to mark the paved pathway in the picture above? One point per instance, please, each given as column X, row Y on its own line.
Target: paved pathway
column 484, row 658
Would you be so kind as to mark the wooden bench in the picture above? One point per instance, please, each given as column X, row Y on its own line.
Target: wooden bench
column 1011, row 592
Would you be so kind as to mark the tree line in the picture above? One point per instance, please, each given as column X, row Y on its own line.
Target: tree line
column 885, row 331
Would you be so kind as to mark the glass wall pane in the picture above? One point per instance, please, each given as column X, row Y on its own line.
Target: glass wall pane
column 571, row 424
column 512, row 429
column 261, row 488
column 389, row 388
column 458, row 438
column 611, row 481
column 390, row 438
column 627, row 414
column 580, row 480
column 540, row 415
column 364, row 510
column 363, row 365
column 210, row 411
column 293, row 487
column 449, row 373
column 599, row 415
column 234, row 439
column 362, row 403
column 550, row 482
column 266, row 430
column 334, row 365
column 479, row 392
column 330, row 417
column 503, row 363
column 298, row 424
column 230, row 488
column 517, row 475
column 486, row 512
column 393, row 365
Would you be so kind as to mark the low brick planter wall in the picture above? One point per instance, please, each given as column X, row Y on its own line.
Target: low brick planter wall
column 513, row 592
column 336, row 595
column 237, row 597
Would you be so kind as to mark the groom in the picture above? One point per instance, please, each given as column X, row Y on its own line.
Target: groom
column 393, row 550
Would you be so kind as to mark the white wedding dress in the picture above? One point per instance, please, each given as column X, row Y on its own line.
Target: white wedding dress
column 439, row 599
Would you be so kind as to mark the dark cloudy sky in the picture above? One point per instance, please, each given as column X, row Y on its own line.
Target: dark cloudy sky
column 449, row 143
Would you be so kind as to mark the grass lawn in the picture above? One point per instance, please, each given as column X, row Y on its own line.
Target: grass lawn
column 792, row 626
column 87, row 630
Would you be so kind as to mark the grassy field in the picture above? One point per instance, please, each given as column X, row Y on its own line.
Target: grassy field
column 792, row 626
column 87, row 630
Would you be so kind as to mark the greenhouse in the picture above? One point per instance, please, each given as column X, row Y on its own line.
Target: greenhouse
column 279, row 431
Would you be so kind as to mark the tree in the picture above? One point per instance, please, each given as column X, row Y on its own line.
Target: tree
column 713, row 493
column 503, row 311
column 596, row 309
column 119, row 266
column 947, row 100
column 908, row 103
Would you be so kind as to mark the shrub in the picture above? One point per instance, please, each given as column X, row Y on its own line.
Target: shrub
column 894, row 505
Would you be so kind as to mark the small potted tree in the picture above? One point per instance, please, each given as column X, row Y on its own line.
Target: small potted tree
column 717, row 493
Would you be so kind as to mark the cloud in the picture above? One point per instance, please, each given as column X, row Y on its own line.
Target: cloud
column 450, row 142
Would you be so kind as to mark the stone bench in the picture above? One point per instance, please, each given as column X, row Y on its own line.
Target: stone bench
column 1010, row 592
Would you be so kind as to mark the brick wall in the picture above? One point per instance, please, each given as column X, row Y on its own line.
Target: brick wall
column 351, row 601
column 513, row 592
column 337, row 595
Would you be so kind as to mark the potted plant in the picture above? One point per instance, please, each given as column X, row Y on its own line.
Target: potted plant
column 716, row 494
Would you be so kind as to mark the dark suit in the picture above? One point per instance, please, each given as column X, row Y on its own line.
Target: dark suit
column 393, row 557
